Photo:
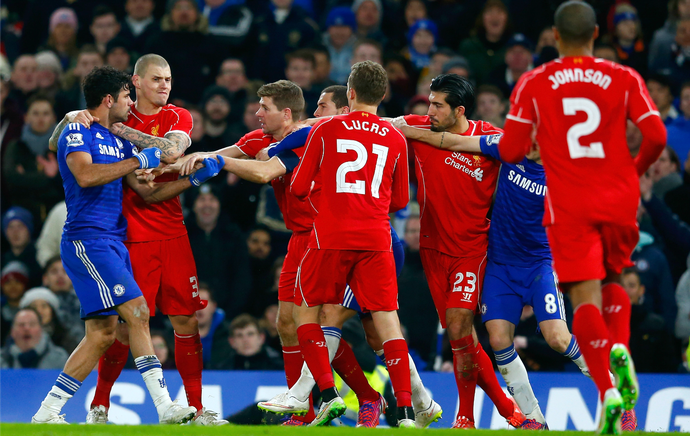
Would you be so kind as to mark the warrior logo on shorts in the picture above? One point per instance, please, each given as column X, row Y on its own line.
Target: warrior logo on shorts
column 119, row 290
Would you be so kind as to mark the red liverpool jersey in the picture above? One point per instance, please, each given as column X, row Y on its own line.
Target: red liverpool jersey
column 580, row 106
column 298, row 215
column 455, row 191
column 164, row 220
column 362, row 161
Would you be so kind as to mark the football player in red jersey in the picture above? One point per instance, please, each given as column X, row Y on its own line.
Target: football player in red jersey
column 359, row 162
column 579, row 106
column 457, row 187
column 157, row 241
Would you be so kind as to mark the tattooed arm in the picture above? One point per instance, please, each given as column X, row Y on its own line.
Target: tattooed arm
column 69, row 118
column 172, row 145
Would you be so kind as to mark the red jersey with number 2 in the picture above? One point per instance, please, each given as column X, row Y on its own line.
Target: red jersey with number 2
column 362, row 161
column 455, row 193
column 298, row 215
column 164, row 220
column 580, row 107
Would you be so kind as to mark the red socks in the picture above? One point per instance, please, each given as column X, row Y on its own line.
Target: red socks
column 616, row 308
column 346, row 365
column 189, row 360
column 293, row 361
column 466, row 372
column 109, row 368
column 398, row 364
column 313, row 345
column 593, row 336
column 489, row 383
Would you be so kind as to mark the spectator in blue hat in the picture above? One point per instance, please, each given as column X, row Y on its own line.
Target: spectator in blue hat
column 340, row 40
column 518, row 60
column 421, row 39
column 627, row 38
column 18, row 226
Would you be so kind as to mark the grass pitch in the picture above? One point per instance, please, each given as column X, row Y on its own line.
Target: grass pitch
column 235, row 430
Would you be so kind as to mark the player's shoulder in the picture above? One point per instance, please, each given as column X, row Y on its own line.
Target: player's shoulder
column 74, row 134
column 323, row 121
column 478, row 128
column 172, row 109
column 417, row 120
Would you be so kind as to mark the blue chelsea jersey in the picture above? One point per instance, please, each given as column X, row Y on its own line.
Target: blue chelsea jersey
column 94, row 212
column 516, row 235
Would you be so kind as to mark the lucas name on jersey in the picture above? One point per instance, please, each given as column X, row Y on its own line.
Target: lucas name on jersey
column 526, row 184
column 572, row 75
column 366, row 125
column 459, row 161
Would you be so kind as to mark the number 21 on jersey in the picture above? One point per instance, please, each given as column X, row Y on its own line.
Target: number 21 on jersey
column 357, row 187
column 572, row 106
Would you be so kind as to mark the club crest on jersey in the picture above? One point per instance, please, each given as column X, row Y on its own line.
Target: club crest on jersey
column 75, row 140
column 119, row 290
column 154, row 130
column 477, row 160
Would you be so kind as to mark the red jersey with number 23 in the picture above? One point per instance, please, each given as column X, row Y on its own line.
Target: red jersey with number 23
column 580, row 107
column 455, row 193
column 298, row 215
column 362, row 162
column 164, row 220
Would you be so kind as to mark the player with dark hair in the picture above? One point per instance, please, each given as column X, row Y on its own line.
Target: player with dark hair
column 351, row 239
column 454, row 256
column 91, row 162
column 583, row 146
column 157, row 241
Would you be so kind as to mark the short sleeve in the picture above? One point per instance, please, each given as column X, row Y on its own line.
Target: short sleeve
column 289, row 159
column 75, row 137
column 489, row 145
column 640, row 104
column 417, row 120
column 251, row 143
column 521, row 105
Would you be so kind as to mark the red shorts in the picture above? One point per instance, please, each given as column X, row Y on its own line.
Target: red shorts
column 586, row 252
column 288, row 275
column 166, row 273
column 454, row 282
column 324, row 274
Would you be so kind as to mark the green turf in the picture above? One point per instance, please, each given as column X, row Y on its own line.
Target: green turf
column 151, row 430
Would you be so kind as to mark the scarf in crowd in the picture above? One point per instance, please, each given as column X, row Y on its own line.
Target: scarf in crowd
column 37, row 143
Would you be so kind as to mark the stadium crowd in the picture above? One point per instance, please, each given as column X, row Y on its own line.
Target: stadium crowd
column 220, row 52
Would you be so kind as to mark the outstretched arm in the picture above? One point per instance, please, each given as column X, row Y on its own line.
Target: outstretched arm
column 172, row 146
column 443, row 140
column 254, row 170
column 89, row 174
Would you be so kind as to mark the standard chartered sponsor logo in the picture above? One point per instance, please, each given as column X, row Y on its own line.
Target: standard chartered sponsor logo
column 460, row 163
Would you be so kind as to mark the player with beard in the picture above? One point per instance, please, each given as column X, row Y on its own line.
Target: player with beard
column 157, row 239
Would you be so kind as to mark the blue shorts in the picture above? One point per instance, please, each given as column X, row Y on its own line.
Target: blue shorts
column 508, row 288
column 101, row 274
column 349, row 300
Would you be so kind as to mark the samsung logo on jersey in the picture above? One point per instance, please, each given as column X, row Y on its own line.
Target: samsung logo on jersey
column 577, row 75
column 109, row 150
column 526, row 184
column 366, row 125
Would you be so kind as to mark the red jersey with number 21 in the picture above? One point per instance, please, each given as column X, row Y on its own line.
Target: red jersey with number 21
column 362, row 162
column 580, row 107
column 455, row 193
column 298, row 215
column 164, row 220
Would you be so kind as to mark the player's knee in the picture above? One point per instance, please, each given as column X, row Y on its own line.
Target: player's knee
column 499, row 342
column 460, row 323
column 558, row 340
column 103, row 338
column 286, row 326
column 139, row 317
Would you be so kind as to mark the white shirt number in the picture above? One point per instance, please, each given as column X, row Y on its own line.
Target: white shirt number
column 357, row 187
column 595, row 149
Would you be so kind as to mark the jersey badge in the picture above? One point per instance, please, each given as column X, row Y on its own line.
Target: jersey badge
column 477, row 160
column 154, row 130
column 99, row 136
column 522, row 168
column 577, row 61
column 365, row 114
column 119, row 290
column 493, row 139
column 75, row 140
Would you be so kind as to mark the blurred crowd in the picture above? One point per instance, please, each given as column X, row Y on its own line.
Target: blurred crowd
column 220, row 53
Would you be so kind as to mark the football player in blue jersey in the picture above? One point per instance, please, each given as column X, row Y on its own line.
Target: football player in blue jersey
column 91, row 163
column 519, row 270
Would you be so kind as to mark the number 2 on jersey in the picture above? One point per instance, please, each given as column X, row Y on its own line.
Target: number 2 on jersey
column 357, row 187
column 595, row 149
